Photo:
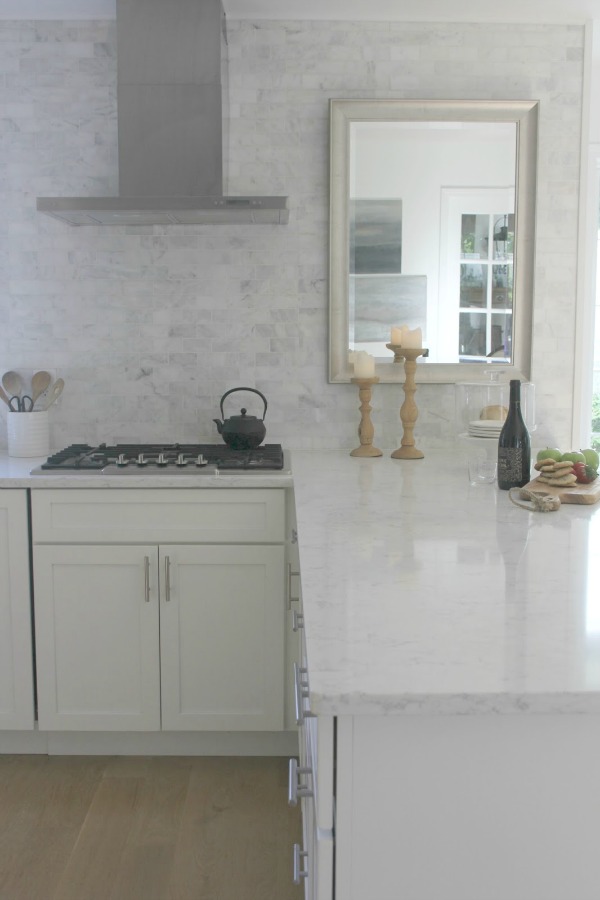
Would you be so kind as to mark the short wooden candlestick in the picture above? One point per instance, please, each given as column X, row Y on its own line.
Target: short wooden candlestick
column 366, row 431
column 409, row 412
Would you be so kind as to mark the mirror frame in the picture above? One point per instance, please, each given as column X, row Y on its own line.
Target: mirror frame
column 342, row 113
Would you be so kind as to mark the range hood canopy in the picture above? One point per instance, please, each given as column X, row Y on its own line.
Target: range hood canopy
column 171, row 57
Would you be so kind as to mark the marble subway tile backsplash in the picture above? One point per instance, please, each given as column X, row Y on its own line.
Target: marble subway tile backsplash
column 150, row 326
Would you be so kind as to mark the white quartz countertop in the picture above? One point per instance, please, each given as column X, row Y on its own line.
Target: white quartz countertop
column 425, row 595
column 15, row 472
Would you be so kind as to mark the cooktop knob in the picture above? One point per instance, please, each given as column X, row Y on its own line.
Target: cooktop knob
column 201, row 461
column 141, row 461
column 181, row 460
column 162, row 460
column 122, row 460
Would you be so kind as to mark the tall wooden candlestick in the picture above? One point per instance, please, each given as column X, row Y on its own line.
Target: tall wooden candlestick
column 408, row 411
column 366, row 431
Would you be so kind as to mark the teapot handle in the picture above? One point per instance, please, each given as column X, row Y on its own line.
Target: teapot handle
column 254, row 391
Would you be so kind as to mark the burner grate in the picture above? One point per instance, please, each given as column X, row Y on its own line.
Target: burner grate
column 83, row 457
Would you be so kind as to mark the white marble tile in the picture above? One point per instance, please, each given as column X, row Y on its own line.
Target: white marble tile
column 196, row 304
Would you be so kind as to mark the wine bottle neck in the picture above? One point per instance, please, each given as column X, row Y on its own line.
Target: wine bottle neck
column 515, row 393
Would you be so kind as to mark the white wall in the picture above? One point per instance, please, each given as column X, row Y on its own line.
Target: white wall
column 149, row 327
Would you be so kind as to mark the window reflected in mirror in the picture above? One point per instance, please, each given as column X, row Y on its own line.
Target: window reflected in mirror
column 486, row 287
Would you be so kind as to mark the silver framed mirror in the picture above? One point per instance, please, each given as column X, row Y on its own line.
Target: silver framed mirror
column 432, row 225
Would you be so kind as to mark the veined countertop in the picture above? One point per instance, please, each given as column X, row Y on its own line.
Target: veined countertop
column 424, row 595
column 15, row 472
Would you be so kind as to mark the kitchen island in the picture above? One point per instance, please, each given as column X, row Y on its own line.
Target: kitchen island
column 453, row 641
column 452, row 669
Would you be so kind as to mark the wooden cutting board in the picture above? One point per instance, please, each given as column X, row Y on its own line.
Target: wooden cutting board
column 580, row 493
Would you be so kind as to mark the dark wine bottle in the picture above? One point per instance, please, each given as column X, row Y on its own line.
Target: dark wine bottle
column 514, row 446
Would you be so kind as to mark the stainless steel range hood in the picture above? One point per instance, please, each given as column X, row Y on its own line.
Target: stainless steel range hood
column 171, row 59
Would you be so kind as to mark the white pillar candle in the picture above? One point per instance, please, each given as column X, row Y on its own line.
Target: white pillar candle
column 397, row 334
column 413, row 338
column 364, row 365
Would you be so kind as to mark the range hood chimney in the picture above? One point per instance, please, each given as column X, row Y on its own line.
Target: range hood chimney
column 171, row 55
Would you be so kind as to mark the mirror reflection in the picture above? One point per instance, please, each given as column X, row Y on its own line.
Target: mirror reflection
column 426, row 226
column 427, row 247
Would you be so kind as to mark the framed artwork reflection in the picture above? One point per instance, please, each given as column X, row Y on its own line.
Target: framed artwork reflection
column 375, row 236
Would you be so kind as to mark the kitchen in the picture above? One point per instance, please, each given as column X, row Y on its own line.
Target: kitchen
column 149, row 326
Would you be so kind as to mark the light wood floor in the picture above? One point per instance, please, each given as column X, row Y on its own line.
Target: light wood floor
column 146, row 828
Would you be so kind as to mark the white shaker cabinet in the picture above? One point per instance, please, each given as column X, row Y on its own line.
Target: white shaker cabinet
column 221, row 638
column 183, row 631
column 311, row 780
column 16, row 671
column 96, row 626
column 294, row 614
column 313, row 861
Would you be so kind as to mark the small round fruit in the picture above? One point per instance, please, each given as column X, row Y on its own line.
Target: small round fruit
column 573, row 456
column 550, row 453
column 585, row 474
column 592, row 457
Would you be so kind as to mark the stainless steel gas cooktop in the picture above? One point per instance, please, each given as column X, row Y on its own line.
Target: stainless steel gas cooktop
column 157, row 458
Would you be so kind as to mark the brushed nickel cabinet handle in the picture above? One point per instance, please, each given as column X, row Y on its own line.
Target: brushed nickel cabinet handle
column 295, row 788
column 291, row 575
column 300, row 856
column 147, row 579
column 167, row 579
column 301, row 693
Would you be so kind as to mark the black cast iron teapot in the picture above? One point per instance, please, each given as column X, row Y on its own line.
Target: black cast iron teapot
column 242, row 432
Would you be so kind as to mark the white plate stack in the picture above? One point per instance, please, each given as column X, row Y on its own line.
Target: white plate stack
column 485, row 428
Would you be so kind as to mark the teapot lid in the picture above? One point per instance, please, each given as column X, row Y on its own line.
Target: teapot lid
column 242, row 416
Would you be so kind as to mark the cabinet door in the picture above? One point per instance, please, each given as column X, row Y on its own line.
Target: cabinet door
column 16, row 672
column 295, row 619
column 96, row 628
column 222, row 637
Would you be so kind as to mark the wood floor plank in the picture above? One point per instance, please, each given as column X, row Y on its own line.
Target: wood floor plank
column 150, row 828
column 91, row 869
column 147, row 860
column 43, row 803
column 237, row 834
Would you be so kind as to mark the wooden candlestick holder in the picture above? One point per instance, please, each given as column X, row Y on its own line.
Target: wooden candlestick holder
column 366, row 431
column 409, row 412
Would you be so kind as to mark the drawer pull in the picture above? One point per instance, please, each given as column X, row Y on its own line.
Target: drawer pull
column 167, row 579
column 147, row 579
column 301, row 693
column 297, row 620
column 295, row 788
column 300, row 856
column 290, row 576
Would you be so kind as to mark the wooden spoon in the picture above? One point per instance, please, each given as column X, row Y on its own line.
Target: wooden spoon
column 13, row 384
column 55, row 393
column 39, row 383
column 4, row 396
